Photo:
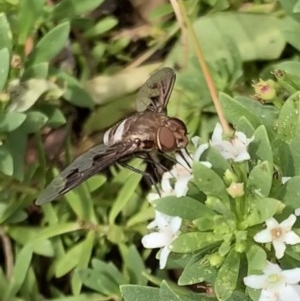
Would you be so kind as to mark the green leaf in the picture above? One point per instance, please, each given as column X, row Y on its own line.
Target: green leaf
column 84, row 259
column 75, row 93
column 124, row 196
column 4, row 67
column 3, row 284
column 291, row 192
column 220, row 164
column 55, row 116
column 260, row 179
column 5, row 33
column 167, row 294
column 102, row 283
column 38, row 71
column 9, row 121
column 95, row 182
column 245, row 31
column 26, row 94
column 58, row 229
column 290, row 29
column 205, row 223
column 295, row 156
column 288, row 124
column 6, row 161
column 109, row 269
column 257, row 258
column 103, row 26
column 194, row 241
column 69, row 260
column 185, row 207
column 196, row 271
column 260, row 148
column 25, row 234
column 71, row 8
column 20, row 270
column 260, row 211
column 135, row 266
column 34, row 122
column 234, row 109
column 227, row 276
column 209, row 182
column 243, row 125
column 137, row 292
column 50, row 44
column 16, row 144
column 29, row 12
column 267, row 115
column 79, row 199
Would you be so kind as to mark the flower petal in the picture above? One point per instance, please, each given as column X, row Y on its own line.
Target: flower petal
column 217, row 134
column 267, row 295
column 289, row 222
column 292, row 276
column 272, row 223
column 291, row 238
column 263, row 236
column 199, row 151
column 155, row 240
column 181, row 186
column 285, row 179
column 255, row 281
column 242, row 156
column 279, row 247
column 297, row 211
column 175, row 224
column 272, row 268
column 152, row 196
column 163, row 257
column 288, row 292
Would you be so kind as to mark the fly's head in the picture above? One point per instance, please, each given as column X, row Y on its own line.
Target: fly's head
column 172, row 135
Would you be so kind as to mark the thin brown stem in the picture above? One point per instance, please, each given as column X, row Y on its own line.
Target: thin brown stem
column 8, row 254
column 203, row 65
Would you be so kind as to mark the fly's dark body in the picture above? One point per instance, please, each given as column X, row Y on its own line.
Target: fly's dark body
column 148, row 130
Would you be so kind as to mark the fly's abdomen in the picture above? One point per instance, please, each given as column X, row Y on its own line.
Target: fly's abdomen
column 115, row 133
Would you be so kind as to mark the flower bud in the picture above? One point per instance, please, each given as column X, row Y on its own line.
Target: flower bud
column 265, row 90
column 236, row 190
column 230, row 177
column 215, row 259
column 240, row 247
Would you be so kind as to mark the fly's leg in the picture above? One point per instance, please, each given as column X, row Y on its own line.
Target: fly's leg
column 147, row 175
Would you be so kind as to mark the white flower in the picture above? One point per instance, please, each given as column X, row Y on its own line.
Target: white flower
column 285, row 179
column 235, row 148
column 276, row 284
column 181, row 172
column 279, row 234
column 167, row 230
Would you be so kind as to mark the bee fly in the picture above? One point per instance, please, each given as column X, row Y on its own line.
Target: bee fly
column 148, row 130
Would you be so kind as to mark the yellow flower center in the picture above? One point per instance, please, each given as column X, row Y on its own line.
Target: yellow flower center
column 276, row 233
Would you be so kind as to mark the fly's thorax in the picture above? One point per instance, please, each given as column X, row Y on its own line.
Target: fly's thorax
column 172, row 135
column 142, row 126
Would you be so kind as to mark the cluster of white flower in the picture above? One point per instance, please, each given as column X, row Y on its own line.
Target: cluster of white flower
column 167, row 227
column 275, row 284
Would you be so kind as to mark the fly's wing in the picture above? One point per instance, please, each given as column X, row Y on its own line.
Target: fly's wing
column 155, row 93
column 88, row 164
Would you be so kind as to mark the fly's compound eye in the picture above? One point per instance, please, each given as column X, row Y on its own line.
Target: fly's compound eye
column 166, row 140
